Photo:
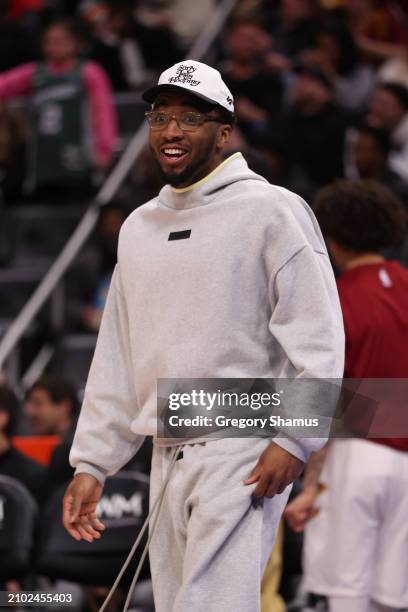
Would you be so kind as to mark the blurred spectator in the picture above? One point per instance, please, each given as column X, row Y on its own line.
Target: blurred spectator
column 114, row 45
column 395, row 70
column 315, row 127
column 12, row 152
column 51, row 405
column 337, row 55
column 257, row 90
column 294, row 26
column 389, row 110
column 27, row 12
column 279, row 167
column 62, row 89
column 154, row 34
column 90, row 277
column 370, row 152
column 13, row 463
column 16, row 46
column 379, row 28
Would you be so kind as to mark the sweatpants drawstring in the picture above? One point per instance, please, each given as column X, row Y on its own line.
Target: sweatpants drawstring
column 157, row 504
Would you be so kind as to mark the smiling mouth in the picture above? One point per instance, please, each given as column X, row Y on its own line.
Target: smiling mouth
column 173, row 154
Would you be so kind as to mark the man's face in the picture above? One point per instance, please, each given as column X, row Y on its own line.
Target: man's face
column 45, row 416
column 186, row 157
column 367, row 155
column 385, row 110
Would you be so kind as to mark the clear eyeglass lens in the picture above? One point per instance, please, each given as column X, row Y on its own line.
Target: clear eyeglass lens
column 186, row 120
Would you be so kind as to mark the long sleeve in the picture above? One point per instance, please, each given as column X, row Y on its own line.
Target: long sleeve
column 103, row 441
column 307, row 323
column 102, row 110
column 17, row 81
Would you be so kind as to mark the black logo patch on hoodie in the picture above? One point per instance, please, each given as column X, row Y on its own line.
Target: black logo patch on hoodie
column 183, row 235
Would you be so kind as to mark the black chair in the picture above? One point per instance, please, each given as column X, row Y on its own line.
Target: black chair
column 18, row 515
column 123, row 508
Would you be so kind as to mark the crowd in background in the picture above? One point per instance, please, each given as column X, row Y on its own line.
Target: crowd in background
column 320, row 87
column 321, row 93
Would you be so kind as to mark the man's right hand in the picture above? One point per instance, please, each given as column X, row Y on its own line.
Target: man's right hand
column 79, row 508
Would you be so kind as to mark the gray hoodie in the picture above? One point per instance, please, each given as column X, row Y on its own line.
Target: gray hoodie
column 249, row 294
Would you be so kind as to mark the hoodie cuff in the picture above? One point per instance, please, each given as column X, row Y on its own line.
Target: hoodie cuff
column 293, row 447
column 87, row 468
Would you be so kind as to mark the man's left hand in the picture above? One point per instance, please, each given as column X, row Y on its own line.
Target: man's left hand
column 275, row 470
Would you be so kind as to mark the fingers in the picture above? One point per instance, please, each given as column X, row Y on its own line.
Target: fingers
column 80, row 519
column 86, row 529
column 268, row 486
column 261, row 488
column 96, row 523
column 68, row 516
column 254, row 475
column 72, row 505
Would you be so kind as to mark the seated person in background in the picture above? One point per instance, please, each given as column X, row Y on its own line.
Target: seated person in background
column 370, row 150
column 13, row 463
column 337, row 55
column 315, row 127
column 257, row 90
column 51, row 405
column 115, row 47
column 70, row 100
column 355, row 491
column 389, row 110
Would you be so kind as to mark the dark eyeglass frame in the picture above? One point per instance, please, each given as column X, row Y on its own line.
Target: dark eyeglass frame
column 177, row 116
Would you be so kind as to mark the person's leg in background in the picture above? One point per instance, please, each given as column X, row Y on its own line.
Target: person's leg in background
column 271, row 601
column 340, row 543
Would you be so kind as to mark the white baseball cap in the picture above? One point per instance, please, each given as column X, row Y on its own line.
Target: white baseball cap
column 196, row 78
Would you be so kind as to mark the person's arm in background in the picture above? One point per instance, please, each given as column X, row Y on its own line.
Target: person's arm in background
column 103, row 441
column 302, row 508
column 103, row 114
column 17, row 81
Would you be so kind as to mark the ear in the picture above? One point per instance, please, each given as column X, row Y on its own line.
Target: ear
column 223, row 135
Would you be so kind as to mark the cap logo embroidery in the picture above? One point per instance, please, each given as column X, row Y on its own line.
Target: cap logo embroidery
column 184, row 74
column 229, row 100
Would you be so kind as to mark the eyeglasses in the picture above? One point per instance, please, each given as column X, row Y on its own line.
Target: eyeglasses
column 187, row 121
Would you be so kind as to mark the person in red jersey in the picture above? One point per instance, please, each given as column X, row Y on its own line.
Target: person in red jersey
column 354, row 498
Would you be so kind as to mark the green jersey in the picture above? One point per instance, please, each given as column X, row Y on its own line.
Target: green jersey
column 60, row 144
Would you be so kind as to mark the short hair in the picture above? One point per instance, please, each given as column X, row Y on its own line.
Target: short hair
column 11, row 406
column 399, row 91
column 69, row 25
column 379, row 135
column 360, row 215
column 58, row 388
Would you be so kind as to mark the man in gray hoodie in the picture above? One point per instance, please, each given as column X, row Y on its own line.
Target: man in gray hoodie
column 221, row 276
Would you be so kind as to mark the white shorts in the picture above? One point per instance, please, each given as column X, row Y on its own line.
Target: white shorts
column 358, row 543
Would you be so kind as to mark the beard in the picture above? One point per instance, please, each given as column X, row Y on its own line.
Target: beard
column 193, row 172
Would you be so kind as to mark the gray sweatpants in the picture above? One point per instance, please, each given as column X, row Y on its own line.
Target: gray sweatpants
column 211, row 545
